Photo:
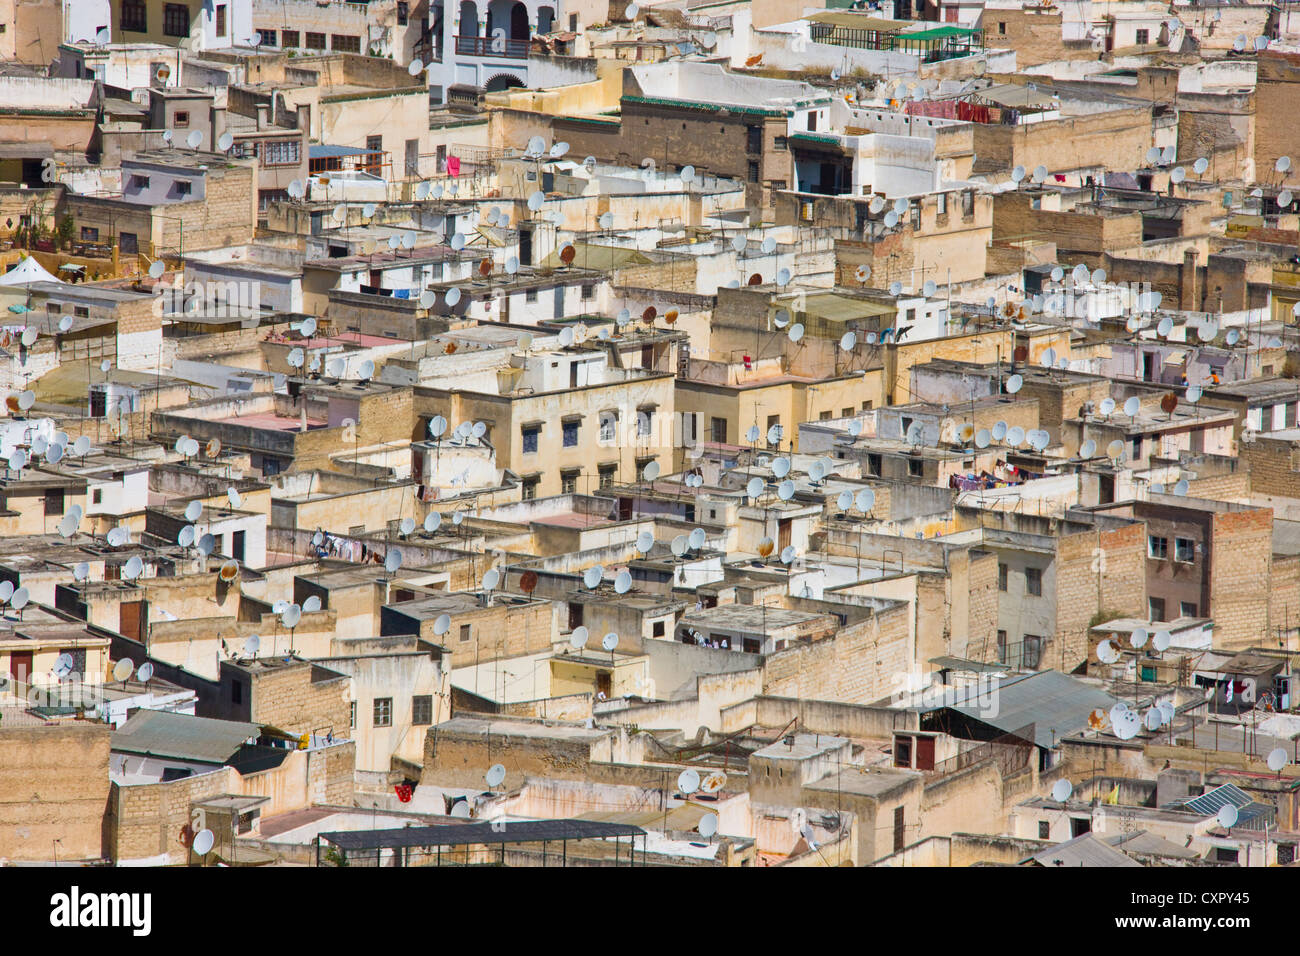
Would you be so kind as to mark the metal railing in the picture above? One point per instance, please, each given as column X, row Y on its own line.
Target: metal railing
column 492, row 46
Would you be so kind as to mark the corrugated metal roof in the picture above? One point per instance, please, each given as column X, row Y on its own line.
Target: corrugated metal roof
column 1015, row 96
column 1054, row 703
column 183, row 737
column 1086, row 850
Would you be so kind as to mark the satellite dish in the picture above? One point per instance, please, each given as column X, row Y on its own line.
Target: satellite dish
column 768, row 246
column 765, row 547
column 847, row 341
column 609, row 641
column 865, row 500
column 406, row 526
column 195, row 139
column 1107, row 406
column 203, row 842
column 491, row 579
column 754, row 488
column 774, row 435
column 982, row 438
column 796, row 332
column 1015, row 383
column 229, row 572
column 415, row 67
column 1061, row 790
column 622, row 582
column 688, row 781
column 63, row 665
column 708, row 825
column 592, row 576
column 645, row 541
column 145, row 673
column 780, row 467
column 118, row 536
column 193, row 511
column 186, row 536
column 1015, row 435
column 1088, row 449
column 207, row 544
column 133, row 568
column 844, row 501
column 392, row 561
column 1201, row 165
column 785, row 490
column 496, row 775
column 311, row 605
column 225, row 141
column 442, row 625
column 291, row 616
column 788, row 554
column 891, row 219
column 1228, row 816
column 366, row 371
column 7, row 591
column 1138, row 638
column 1277, row 759
column 1132, row 406
column 651, row 471
column 1152, row 719
column 1115, row 449
column 1018, row 174
column 1040, row 174
column 1180, row 488
column 122, row 669
column 696, row 539
column 1162, row 640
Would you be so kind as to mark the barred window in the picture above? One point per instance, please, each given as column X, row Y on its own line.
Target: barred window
column 315, row 41
column 344, row 43
column 422, row 710
column 281, row 152
column 383, row 712
column 176, row 20
column 134, row 18
column 288, row 39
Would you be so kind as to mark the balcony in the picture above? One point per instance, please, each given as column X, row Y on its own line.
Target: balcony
column 492, row 47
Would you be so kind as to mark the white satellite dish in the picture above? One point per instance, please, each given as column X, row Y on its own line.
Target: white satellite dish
column 780, row 467
column 754, row 487
column 645, row 541
column 207, row 544
column 1015, row 383
column 1162, row 640
column 592, row 576
column 622, row 582
column 392, row 561
column 1132, row 406
column 1061, row 790
column 1228, row 816
column 145, row 673
column 1088, row 449
column 1277, row 759
column 495, row 776
column 651, row 471
column 118, row 536
column 865, row 500
column 225, row 141
column 796, row 332
column 1138, row 638
column 185, row 538
column 1115, row 449
column 203, row 842
column 688, row 781
column 1107, row 653
column 195, row 139
column 193, row 511
column 708, row 825
column 415, row 67
column 291, row 616
column 788, row 554
column 491, row 579
column 406, row 526
column 609, row 641
column 133, row 568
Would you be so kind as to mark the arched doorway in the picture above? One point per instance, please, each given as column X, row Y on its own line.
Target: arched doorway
column 503, row 81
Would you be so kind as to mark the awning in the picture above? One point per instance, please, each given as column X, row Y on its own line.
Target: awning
column 1176, row 358
column 858, row 21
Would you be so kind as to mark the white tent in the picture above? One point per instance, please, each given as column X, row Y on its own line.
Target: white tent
column 29, row 270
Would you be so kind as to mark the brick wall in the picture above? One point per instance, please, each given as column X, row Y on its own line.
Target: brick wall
column 53, row 785
column 1095, row 571
column 1277, row 87
column 858, row 665
column 288, row 699
column 1239, row 577
column 1083, row 232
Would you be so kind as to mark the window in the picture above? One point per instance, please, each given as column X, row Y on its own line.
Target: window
column 464, row 633
column 181, row 118
column 530, row 439
column 569, row 482
column 288, row 39
column 352, row 714
column 266, row 37
column 128, row 243
column 608, row 423
column 900, row 829
column 941, row 204
column 183, row 187
column 1143, row 37
column 530, row 295
column 874, row 463
column 54, row 501
column 570, row 431
column 422, row 710
column 403, row 11
column 344, row 43
column 1156, row 609
column 846, row 413
column 529, row 490
column 1186, row 609
column 1079, row 826
column 280, row 152
column 607, row 473
column 1223, row 854
column 812, row 121
column 1044, row 830
column 236, row 692
column 89, row 234
column 97, row 496
column 176, row 20
column 1002, row 647
column 221, row 20
column 916, row 217
column 1184, row 550
column 315, row 41
column 916, row 467
column 968, row 204
column 1034, row 581
column 753, row 139
column 644, row 423
column 1157, row 547
column 383, row 712
column 753, row 171
column 782, row 143
column 134, row 17
column 1002, row 577
column 588, row 292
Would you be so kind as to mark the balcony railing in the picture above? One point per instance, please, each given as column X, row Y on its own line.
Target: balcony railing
column 492, row 46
